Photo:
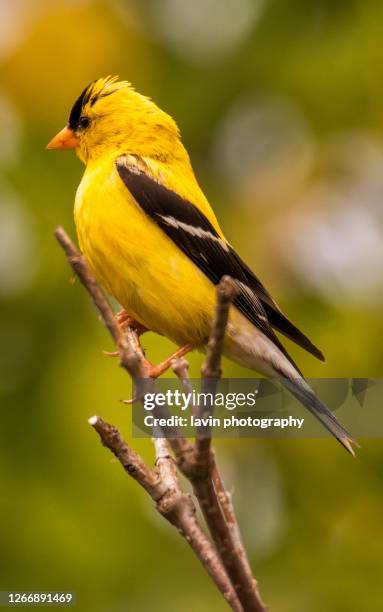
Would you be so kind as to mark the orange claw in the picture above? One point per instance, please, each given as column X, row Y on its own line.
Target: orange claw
column 125, row 321
column 129, row 401
column 111, row 353
column 154, row 371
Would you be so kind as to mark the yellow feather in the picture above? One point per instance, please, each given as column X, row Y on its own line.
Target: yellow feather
column 137, row 263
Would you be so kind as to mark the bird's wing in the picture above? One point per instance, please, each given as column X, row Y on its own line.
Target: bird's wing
column 193, row 233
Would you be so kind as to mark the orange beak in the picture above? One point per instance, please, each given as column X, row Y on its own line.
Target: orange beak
column 65, row 139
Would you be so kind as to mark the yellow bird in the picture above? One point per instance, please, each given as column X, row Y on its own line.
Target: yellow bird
column 153, row 241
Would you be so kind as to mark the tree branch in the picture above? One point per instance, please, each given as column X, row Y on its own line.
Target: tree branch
column 211, row 369
column 202, row 471
column 230, row 570
column 226, row 292
column 175, row 506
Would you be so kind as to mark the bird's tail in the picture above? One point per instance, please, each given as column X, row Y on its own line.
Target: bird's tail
column 304, row 394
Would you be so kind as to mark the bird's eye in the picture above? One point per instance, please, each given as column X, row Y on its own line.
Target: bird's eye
column 83, row 121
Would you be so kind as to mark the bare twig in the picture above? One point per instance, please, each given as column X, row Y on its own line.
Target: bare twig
column 226, row 504
column 226, row 292
column 211, row 369
column 203, row 473
column 176, row 506
column 132, row 463
column 180, row 368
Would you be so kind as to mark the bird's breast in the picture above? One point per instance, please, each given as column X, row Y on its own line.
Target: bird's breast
column 137, row 263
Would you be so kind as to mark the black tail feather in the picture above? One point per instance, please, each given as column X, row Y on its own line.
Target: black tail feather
column 300, row 389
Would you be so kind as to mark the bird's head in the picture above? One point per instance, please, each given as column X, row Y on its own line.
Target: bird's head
column 111, row 117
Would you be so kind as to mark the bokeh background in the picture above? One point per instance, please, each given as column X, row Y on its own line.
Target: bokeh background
column 280, row 106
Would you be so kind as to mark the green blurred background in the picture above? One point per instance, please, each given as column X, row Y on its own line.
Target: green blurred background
column 280, row 106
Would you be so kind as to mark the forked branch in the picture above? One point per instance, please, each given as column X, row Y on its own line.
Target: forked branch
column 177, row 507
column 225, row 559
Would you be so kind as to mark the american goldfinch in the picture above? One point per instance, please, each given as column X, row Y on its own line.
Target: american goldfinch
column 153, row 241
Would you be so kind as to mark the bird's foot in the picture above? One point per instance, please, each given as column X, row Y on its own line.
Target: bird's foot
column 154, row 371
column 125, row 321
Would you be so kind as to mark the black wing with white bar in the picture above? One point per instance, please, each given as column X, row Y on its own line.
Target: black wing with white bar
column 193, row 233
